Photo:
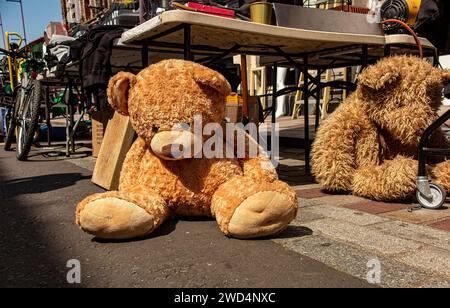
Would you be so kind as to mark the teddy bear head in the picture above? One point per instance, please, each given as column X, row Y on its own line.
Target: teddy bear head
column 402, row 95
column 164, row 100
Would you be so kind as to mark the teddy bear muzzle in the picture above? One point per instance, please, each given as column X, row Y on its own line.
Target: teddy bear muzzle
column 175, row 145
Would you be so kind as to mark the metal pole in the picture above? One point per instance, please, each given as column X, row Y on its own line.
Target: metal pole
column 23, row 23
column 3, row 31
column 23, row 19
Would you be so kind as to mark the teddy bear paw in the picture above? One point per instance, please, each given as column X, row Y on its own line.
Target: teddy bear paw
column 113, row 218
column 262, row 214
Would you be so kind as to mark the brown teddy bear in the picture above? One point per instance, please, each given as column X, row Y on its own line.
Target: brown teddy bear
column 369, row 145
column 157, row 183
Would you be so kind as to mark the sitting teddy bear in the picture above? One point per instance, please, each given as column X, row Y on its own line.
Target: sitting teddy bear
column 369, row 145
column 244, row 195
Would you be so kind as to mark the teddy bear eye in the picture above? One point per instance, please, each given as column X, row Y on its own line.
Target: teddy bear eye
column 155, row 128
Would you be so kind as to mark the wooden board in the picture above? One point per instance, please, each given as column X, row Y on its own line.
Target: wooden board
column 117, row 141
column 100, row 120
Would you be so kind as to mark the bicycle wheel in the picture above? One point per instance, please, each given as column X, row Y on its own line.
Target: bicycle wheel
column 11, row 119
column 28, row 119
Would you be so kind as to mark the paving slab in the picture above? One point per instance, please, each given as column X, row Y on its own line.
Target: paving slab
column 372, row 240
column 374, row 207
column 339, row 200
column 306, row 215
column 436, row 283
column 306, row 186
column 429, row 259
column 442, row 225
column 312, row 193
column 344, row 214
column 304, row 203
column 422, row 216
column 418, row 233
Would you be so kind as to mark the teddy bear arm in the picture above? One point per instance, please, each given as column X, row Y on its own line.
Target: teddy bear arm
column 333, row 155
column 393, row 180
column 122, row 214
column 248, row 208
column 253, row 159
column 129, row 175
column 259, row 168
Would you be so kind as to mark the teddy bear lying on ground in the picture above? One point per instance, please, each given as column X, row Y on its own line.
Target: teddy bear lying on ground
column 157, row 183
column 369, row 145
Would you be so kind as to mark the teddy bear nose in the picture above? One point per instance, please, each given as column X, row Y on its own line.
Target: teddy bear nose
column 173, row 145
column 172, row 150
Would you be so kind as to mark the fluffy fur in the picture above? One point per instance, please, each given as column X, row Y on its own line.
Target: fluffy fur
column 242, row 193
column 369, row 145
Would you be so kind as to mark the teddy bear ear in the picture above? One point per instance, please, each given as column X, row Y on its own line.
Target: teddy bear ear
column 213, row 79
column 118, row 90
column 378, row 76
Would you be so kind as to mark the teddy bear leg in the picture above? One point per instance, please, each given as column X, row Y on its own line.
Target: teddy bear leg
column 122, row 214
column 394, row 180
column 441, row 174
column 247, row 208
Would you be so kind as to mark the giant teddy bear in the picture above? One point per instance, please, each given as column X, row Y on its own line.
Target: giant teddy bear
column 156, row 184
column 369, row 145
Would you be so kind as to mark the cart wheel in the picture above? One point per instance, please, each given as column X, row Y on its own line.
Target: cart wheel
column 438, row 199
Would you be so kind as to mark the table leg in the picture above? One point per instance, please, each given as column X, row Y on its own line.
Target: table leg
column 387, row 50
column 306, row 114
column 144, row 55
column 274, row 93
column 365, row 56
column 245, row 116
column 318, row 94
column 187, row 43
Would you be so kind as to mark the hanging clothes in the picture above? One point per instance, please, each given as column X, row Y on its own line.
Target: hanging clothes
column 96, row 61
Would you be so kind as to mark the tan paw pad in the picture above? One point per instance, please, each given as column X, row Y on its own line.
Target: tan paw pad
column 113, row 218
column 263, row 214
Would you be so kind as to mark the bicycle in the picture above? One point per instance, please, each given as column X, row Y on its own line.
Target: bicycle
column 23, row 115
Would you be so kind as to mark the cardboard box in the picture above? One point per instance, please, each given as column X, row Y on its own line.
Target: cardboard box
column 234, row 108
column 100, row 120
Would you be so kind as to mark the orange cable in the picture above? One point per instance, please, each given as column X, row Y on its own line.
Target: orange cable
column 410, row 30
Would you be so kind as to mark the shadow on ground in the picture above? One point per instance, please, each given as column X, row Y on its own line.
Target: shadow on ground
column 40, row 184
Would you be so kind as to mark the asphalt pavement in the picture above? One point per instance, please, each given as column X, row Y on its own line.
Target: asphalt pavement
column 38, row 237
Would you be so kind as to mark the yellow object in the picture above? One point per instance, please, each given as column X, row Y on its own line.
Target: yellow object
column 414, row 7
column 234, row 98
column 261, row 12
column 298, row 98
column 12, row 63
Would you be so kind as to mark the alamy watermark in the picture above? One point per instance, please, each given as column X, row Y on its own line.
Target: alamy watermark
column 228, row 140
column 74, row 274
column 374, row 273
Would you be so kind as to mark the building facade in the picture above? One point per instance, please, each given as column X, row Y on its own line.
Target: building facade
column 79, row 11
